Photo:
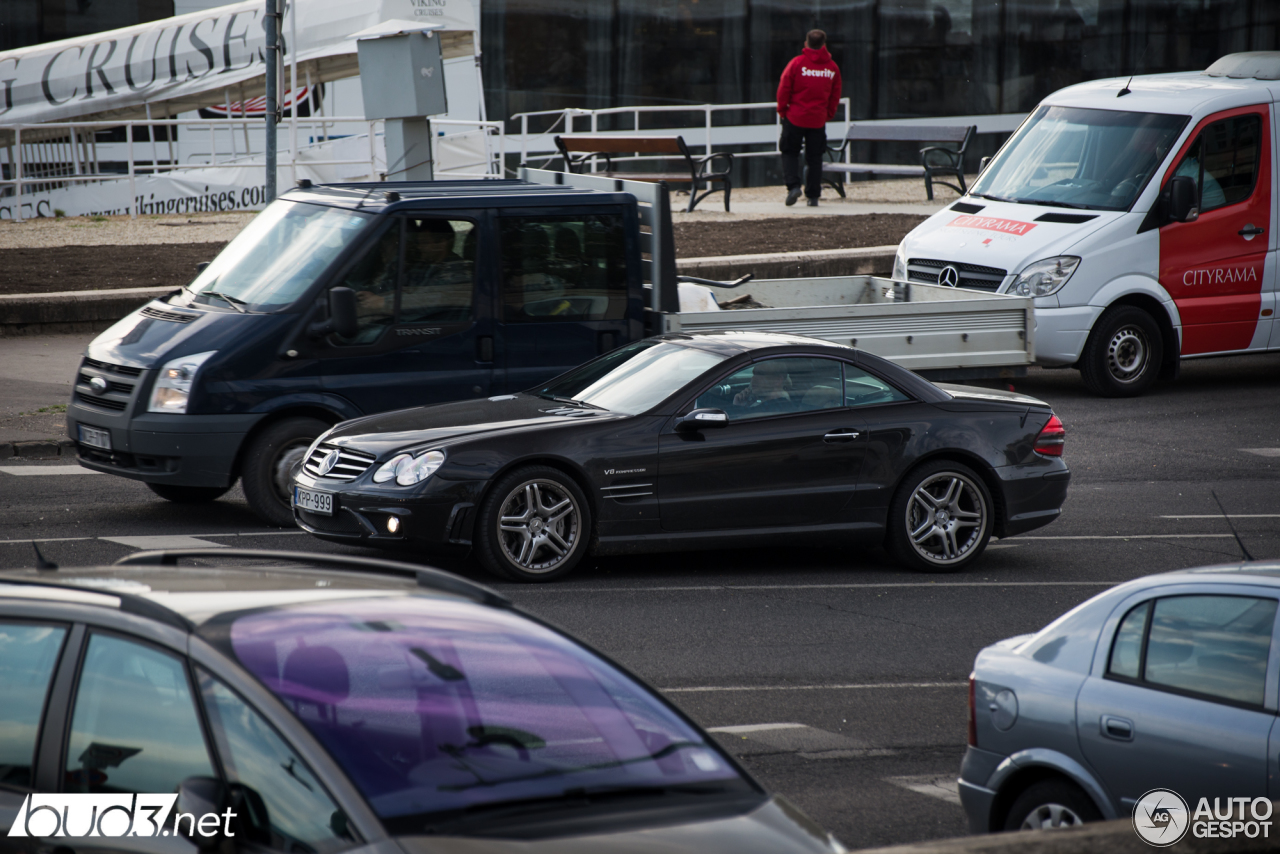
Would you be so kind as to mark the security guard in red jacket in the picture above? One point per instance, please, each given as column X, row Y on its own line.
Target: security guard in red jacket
column 807, row 99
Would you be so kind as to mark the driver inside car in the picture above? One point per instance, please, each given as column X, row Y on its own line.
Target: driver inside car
column 767, row 392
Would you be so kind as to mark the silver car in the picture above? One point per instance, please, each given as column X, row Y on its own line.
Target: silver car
column 1169, row 681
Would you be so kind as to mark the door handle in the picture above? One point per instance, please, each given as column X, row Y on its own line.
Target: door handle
column 1120, row 729
column 484, row 348
column 1251, row 231
column 841, row 436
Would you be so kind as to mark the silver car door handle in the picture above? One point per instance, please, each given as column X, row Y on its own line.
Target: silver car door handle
column 841, row 436
column 1120, row 729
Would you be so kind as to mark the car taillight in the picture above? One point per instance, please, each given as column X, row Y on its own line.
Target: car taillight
column 973, row 710
column 1051, row 439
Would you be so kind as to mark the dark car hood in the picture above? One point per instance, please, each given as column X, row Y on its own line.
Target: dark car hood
column 141, row 341
column 777, row 827
column 440, row 423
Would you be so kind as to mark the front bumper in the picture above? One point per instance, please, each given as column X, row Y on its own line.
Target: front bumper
column 1032, row 496
column 438, row 519
column 1061, row 333
column 182, row 450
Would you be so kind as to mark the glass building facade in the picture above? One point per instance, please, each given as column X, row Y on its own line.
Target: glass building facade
column 899, row 58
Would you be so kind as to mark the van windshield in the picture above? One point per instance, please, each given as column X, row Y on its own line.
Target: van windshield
column 1076, row 158
column 275, row 259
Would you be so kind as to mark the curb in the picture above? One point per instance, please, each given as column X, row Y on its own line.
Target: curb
column 94, row 311
column 38, row 450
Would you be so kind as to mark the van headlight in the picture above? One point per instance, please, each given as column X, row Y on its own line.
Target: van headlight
column 173, row 386
column 1044, row 278
column 408, row 469
column 900, row 264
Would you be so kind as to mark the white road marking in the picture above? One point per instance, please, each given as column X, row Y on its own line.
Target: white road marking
column 1136, row 537
column 942, row 788
column 1263, row 452
column 1230, row 515
column 114, row 540
column 740, row 730
column 173, row 541
column 34, row 469
column 861, row 586
column 707, row 689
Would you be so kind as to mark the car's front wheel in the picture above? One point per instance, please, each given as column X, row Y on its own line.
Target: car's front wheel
column 270, row 463
column 941, row 518
column 1051, row 805
column 533, row 526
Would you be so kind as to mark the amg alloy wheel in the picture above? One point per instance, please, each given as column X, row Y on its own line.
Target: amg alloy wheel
column 940, row 520
column 534, row 525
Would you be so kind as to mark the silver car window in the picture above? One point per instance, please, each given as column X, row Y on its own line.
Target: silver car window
column 1215, row 645
column 1126, row 652
column 28, row 653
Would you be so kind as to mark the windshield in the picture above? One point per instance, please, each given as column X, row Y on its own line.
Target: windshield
column 634, row 378
column 277, row 257
column 1077, row 158
column 438, row 706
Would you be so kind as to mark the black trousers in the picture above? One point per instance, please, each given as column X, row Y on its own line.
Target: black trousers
column 814, row 141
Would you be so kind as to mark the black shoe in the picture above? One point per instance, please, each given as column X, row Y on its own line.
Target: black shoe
column 793, row 196
column 813, row 203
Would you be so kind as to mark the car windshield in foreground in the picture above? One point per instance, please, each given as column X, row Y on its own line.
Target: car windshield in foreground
column 632, row 379
column 275, row 259
column 441, row 710
column 1077, row 158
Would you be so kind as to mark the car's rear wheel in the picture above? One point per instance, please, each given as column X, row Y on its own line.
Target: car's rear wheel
column 941, row 518
column 1123, row 355
column 533, row 526
column 1051, row 805
column 270, row 463
column 188, row 494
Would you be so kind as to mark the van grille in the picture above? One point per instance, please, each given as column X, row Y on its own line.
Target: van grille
column 349, row 466
column 973, row 276
column 119, row 391
column 122, row 370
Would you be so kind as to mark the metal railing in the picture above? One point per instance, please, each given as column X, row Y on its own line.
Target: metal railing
column 66, row 153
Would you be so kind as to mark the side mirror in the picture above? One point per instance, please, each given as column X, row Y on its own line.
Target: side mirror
column 983, row 164
column 700, row 419
column 1181, row 202
column 342, row 315
column 200, row 267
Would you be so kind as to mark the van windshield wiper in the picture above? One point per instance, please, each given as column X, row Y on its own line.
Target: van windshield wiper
column 1051, row 204
column 231, row 301
column 992, row 198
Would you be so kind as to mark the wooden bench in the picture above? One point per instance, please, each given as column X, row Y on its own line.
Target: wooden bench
column 934, row 159
column 578, row 149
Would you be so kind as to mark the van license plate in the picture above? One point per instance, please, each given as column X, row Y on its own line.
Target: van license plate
column 313, row 502
column 94, row 438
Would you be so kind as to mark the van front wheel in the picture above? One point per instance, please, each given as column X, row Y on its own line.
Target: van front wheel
column 271, row 461
column 1123, row 354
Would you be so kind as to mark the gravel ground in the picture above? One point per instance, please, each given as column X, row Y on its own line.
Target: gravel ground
column 121, row 231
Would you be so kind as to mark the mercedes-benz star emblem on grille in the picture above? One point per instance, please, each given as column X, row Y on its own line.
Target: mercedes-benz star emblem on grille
column 98, row 384
column 330, row 460
column 949, row 276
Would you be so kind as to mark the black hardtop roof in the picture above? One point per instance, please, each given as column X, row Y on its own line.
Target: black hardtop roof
column 390, row 196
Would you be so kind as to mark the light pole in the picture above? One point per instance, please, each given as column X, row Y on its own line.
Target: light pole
column 272, row 25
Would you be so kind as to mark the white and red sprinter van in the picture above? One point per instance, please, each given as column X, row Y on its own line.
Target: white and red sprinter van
column 1140, row 213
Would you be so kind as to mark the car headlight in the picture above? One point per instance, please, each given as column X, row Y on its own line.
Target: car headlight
column 1044, row 277
column 408, row 469
column 173, row 386
column 900, row 264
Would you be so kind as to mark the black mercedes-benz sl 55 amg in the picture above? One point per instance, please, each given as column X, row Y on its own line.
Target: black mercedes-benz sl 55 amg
column 695, row 441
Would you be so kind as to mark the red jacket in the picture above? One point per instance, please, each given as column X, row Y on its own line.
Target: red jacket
column 810, row 89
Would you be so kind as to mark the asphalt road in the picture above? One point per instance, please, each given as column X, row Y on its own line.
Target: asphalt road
column 836, row 676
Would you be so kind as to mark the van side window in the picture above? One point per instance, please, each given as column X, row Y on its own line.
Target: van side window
column 439, row 270
column 1223, row 161
column 373, row 278
column 563, row 268
column 1215, row 646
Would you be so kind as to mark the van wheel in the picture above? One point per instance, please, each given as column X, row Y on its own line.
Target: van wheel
column 1051, row 805
column 533, row 526
column 1123, row 354
column 940, row 519
column 188, row 494
column 270, row 462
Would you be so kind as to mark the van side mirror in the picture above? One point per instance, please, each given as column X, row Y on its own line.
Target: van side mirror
column 1181, row 202
column 700, row 419
column 342, row 315
column 983, row 164
column 200, row 267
